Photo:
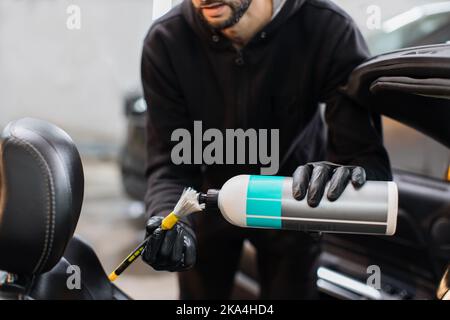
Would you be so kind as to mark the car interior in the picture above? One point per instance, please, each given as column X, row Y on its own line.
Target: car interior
column 42, row 189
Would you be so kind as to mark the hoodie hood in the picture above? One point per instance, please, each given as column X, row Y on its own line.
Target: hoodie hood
column 216, row 39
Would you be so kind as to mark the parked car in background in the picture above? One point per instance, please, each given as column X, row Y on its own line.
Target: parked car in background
column 132, row 155
column 412, row 261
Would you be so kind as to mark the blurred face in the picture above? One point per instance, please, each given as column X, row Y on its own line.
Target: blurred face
column 222, row 14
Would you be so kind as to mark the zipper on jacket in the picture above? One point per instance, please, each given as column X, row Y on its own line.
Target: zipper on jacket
column 241, row 99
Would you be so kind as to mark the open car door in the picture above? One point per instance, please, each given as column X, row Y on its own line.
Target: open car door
column 411, row 86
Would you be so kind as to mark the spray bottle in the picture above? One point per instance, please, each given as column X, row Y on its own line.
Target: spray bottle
column 267, row 202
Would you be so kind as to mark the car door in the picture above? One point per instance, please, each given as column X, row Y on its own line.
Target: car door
column 411, row 263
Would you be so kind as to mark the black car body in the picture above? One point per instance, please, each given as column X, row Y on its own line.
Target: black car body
column 132, row 154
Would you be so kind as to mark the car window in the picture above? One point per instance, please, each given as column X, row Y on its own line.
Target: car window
column 413, row 34
column 412, row 151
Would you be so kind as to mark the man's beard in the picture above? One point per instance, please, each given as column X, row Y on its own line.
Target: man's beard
column 238, row 9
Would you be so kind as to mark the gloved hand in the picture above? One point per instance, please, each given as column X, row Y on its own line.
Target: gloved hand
column 170, row 250
column 312, row 178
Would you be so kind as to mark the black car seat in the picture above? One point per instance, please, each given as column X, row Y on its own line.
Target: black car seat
column 41, row 194
column 94, row 283
column 410, row 85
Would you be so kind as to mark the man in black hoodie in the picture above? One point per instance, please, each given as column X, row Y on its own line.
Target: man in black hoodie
column 262, row 64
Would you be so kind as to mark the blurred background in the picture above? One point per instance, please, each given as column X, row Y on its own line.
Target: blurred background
column 87, row 81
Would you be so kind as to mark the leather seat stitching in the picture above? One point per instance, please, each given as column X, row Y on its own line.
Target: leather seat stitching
column 50, row 215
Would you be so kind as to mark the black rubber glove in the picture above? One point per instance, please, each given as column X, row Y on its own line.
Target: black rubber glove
column 312, row 178
column 170, row 250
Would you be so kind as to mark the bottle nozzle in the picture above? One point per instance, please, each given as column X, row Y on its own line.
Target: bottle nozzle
column 210, row 199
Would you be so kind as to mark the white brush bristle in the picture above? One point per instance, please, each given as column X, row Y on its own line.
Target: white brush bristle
column 188, row 203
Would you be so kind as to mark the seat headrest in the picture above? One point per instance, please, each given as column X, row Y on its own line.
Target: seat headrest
column 41, row 193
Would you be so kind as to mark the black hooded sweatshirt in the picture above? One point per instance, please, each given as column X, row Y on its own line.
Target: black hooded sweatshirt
column 277, row 81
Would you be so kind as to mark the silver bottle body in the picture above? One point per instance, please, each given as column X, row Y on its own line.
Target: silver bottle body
column 267, row 202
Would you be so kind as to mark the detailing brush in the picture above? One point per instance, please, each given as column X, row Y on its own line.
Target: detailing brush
column 187, row 205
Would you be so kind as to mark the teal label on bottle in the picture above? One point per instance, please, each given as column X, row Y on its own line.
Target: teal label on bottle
column 264, row 201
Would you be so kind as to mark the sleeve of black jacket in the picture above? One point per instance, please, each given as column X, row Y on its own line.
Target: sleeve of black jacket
column 354, row 135
column 166, row 112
